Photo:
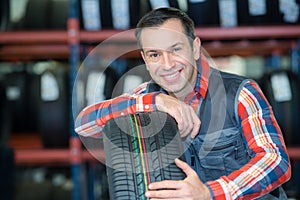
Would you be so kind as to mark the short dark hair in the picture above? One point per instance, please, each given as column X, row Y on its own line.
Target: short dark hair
column 159, row 16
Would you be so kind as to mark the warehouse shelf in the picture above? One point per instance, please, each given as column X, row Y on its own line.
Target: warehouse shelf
column 206, row 33
column 51, row 156
column 29, row 151
column 244, row 41
column 215, row 48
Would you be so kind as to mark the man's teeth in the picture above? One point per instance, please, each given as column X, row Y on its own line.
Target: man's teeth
column 172, row 75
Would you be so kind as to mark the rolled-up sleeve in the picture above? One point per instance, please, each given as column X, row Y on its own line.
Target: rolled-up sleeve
column 93, row 118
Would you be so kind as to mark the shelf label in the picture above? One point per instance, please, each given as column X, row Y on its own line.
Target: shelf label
column 120, row 14
column 13, row 93
column 91, row 14
column 228, row 13
column 290, row 10
column 281, row 87
column 159, row 4
column 183, row 5
column 95, row 87
column 257, row 7
column 49, row 87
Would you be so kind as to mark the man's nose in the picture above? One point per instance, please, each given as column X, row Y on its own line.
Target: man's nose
column 169, row 60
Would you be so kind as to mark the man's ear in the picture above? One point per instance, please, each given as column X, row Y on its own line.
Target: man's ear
column 143, row 56
column 196, row 48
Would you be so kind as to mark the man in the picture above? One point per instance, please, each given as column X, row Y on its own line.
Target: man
column 238, row 152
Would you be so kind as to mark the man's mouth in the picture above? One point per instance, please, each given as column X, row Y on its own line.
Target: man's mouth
column 172, row 76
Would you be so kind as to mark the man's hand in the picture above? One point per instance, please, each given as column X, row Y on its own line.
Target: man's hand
column 189, row 188
column 186, row 118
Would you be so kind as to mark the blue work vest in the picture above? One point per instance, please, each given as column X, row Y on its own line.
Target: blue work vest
column 219, row 148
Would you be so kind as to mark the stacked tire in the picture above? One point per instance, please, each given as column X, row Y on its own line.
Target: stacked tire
column 4, row 15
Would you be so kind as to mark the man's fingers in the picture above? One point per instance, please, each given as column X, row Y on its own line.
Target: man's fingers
column 165, row 189
column 190, row 124
column 185, row 167
column 196, row 126
column 187, row 120
column 166, row 184
column 161, row 194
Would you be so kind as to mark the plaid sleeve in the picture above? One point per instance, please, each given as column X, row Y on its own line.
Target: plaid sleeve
column 92, row 119
column 269, row 166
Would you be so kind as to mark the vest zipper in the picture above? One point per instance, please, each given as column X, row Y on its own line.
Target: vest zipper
column 234, row 143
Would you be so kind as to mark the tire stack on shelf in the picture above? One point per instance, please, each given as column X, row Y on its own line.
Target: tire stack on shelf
column 22, row 93
column 53, row 103
column 204, row 13
column 106, row 14
column 264, row 12
column 40, row 15
column 37, row 96
column 230, row 13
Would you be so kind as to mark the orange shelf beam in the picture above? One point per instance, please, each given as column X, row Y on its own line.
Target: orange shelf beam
column 62, row 156
column 34, row 52
column 206, row 33
column 52, row 156
column 33, row 37
column 249, row 32
column 29, row 151
column 36, row 45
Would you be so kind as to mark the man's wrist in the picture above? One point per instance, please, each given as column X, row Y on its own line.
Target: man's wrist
column 146, row 102
column 209, row 193
column 216, row 190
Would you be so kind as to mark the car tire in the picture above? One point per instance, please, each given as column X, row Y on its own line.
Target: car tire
column 140, row 149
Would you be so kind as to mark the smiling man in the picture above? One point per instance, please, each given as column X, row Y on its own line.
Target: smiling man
column 234, row 146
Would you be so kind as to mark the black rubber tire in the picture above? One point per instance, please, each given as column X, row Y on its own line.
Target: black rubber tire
column 36, row 16
column 130, row 170
column 54, row 114
column 24, row 103
column 4, row 15
column 287, row 112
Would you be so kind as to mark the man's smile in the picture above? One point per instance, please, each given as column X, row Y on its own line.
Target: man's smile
column 173, row 76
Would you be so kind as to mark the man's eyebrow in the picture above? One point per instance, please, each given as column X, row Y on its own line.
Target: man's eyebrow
column 155, row 50
column 151, row 50
column 175, row 45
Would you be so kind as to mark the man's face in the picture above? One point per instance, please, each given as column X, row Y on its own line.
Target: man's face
column 170, row 58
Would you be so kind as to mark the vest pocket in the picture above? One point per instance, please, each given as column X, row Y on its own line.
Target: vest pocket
column 213, row 167
column 223, row 158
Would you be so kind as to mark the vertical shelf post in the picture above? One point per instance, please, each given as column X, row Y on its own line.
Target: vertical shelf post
column 75, row 144
column 295, row 58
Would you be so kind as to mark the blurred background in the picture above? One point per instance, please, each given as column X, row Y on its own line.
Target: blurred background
column 44, row 46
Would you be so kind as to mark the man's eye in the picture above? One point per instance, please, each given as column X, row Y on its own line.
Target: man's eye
column 154, row 55
column 176, row 49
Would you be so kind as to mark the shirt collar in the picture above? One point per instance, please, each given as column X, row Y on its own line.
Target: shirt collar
column 203, row 71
